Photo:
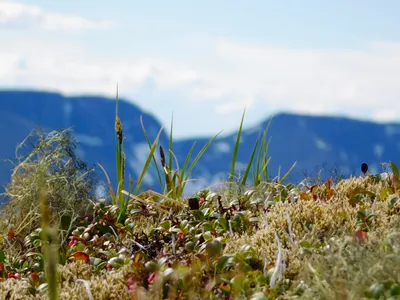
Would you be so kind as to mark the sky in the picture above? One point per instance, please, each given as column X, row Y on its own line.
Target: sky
column 206, row 61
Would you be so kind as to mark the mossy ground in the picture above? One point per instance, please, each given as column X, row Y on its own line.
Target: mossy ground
column 323, row 257
column 269, row 240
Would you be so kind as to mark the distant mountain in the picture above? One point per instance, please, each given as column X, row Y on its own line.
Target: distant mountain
column 92, row 119
column 315, row 142
column 312, row 141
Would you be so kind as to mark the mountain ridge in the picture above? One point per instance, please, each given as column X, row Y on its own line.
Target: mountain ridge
column 308, row 139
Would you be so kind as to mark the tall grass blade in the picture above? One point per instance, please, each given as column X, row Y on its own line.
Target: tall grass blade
column 256, row 174
column 266, row 147
column 119, row 154
column 154, row 159
column 266, row 160
column 287, row 173
column 109, row 184
column 198, row 156
column 236, row 149
column 170, row 143
column 249, row 164
column 147, row 163
column 50, row 248
column 184, row 167
column 126, row 202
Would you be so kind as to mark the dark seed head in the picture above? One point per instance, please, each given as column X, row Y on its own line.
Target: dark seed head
column 194, row 203
column 364, row 168
column 118, row 129
column 162, row 156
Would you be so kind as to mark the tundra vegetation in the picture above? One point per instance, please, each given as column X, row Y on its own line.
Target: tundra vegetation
column 336, row 239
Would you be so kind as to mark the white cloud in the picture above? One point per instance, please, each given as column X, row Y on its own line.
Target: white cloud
column 17, row 15
column 220, row 79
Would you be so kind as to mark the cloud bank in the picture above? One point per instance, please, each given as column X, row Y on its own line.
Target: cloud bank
column 18, row 15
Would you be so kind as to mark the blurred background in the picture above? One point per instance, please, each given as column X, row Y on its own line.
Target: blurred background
column 327, row 71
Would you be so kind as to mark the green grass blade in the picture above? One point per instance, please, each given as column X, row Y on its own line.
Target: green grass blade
column 147, row 163
column 119, row 153
column 265, row 167
column 51, row 247
column 287, row 173
column 266, row 148
column 395, row 169
column 122, row 213
column 154, row 159
column 170, row 144
column 198, row 156
column 266, row 160
column 256, row 174
column 236, row 149
column 249, row 164
column 109, row 184
column 184, row 167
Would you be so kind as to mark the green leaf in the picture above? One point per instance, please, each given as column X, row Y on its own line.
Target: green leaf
column 392, row 203
column 223, row 222
column 385, row 193
column 305, row 244
column 95, row 261
column 214, row 248
column 208, row 227
column 198, row 214
column 208, row 236
column 236, row 283
column 166, row 225
column 222, row 263
column 2, row 256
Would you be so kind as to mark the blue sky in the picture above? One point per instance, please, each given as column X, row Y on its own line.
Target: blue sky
column 207, row 60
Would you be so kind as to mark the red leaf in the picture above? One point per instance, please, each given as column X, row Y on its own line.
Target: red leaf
column 81, row 256
column 361, row 235
column 151, row 278
column 304, row 196
column 34, row 276
column 11, row 234
column 14, row 275
column 131, row 284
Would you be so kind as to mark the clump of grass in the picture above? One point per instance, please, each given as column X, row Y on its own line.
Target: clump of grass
column 175, row 181
column 67, row 179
